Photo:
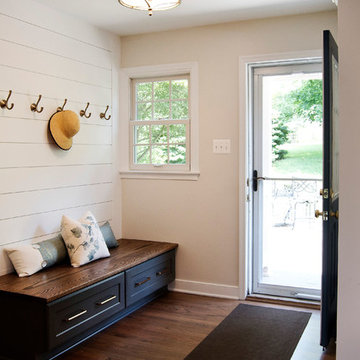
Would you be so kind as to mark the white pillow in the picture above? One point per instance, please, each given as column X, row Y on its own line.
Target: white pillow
column 83, row 239
column 26, row 259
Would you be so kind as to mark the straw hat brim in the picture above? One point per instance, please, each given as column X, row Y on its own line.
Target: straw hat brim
column 56, row 130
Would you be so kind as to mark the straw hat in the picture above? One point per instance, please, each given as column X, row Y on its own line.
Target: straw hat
column 63, row 125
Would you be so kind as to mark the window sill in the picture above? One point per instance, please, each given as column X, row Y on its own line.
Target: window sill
column 157, row 175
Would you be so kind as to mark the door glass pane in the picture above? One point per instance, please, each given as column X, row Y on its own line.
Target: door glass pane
column 292, row 237
column 289, row 257
column 292, row 125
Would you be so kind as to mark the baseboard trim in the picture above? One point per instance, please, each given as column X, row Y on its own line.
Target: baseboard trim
column 205, row 289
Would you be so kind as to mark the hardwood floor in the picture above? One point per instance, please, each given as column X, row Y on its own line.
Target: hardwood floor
column 170, row 327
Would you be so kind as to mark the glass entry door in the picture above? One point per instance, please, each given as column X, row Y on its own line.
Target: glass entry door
column 286, row 179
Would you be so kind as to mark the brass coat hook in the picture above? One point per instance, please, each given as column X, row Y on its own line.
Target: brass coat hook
column 83, row 112
column 103, row 115
column 4, row 103
column 34, row 107
column 61, row 108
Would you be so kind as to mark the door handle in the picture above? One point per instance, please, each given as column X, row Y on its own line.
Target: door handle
column 335, row 214
column 255, row 180
column 323, row 214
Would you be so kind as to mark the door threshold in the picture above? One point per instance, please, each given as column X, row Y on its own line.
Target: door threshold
column 277, row 300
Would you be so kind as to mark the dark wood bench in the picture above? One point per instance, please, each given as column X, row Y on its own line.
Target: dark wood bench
column 44, row 315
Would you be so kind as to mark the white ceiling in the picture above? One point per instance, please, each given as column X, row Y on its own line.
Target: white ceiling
column 111, row 16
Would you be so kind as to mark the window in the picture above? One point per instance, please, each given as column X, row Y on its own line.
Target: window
column 159, row 129
column 160, row 122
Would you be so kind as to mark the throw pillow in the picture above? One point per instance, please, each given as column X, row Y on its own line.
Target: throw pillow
column 29, row 259
column 84, row 240
column 108, row 235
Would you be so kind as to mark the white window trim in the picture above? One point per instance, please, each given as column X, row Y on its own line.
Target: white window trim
column 126, row 74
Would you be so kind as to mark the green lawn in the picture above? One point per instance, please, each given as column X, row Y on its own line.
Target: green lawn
column 301, row 161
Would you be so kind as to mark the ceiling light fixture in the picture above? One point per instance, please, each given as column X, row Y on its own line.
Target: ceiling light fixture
column 150, row 5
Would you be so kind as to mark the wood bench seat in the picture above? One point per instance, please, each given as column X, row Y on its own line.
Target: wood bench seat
column 47, row 313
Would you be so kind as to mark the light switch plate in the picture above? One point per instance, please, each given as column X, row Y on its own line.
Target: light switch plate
column 221, row 146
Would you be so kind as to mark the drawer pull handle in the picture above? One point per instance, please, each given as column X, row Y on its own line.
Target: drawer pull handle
column 143, row 282
column 162, row 272
column 76, row 316
column 106, row 301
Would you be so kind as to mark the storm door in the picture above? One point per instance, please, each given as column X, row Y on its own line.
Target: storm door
column 287, row 144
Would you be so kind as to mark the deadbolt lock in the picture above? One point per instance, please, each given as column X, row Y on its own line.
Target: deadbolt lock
column 324, row 193
column 323, row 214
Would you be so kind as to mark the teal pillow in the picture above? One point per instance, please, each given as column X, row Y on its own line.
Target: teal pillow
column 30, row 258
column 53, row 250
column 109, row 236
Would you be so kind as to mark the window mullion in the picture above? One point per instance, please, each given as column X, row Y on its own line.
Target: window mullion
column 152, row 101
column 170, row 101
column 159, row 122
column 187, row 145
column 168, row 143
column 151, row 143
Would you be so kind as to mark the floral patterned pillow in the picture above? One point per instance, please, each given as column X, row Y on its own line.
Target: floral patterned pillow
column 83, row 239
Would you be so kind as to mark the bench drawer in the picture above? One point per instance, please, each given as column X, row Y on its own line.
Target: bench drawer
column 75, row 313
column 143, row 279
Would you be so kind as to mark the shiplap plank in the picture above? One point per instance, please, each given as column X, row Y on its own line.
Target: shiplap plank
column 12, row 180
column 30, row 155
column 36, row 131
column 15, row 205
column 25, row 82
column 38, row 61
column 23, row 102
column 46, row 52
column 31, row 35
column 37, row 225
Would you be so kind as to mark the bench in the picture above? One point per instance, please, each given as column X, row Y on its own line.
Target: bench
column 46, row 314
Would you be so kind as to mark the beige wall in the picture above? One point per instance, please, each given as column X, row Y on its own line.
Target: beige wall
column 349, row 241
column 203, row 216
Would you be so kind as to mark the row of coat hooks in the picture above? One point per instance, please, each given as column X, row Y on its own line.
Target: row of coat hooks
column 35, row 107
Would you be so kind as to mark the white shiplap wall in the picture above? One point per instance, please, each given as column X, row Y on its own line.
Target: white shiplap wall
column 45, row 52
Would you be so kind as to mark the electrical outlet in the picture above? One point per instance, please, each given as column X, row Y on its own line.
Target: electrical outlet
column 221, row 146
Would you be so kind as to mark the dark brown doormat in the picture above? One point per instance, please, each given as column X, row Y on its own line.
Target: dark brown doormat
column 253, row 333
